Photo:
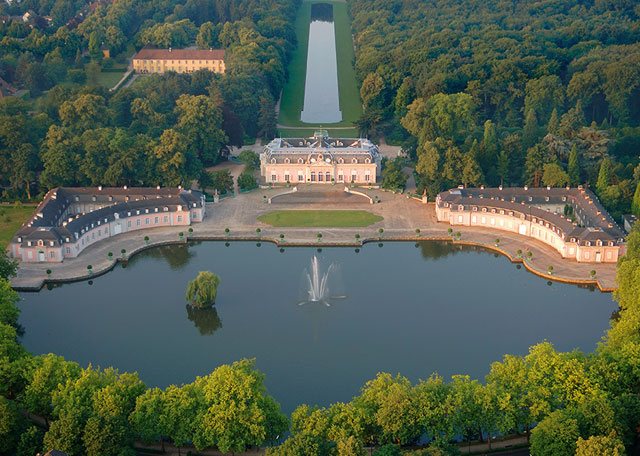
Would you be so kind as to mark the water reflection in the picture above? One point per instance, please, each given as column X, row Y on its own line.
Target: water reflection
column 206, row 320
column 176, row 256
column 433, row 250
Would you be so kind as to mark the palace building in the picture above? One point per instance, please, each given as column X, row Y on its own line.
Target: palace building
column 571, row 220
column 320, row 160
column 69, row 220
column 178, row 60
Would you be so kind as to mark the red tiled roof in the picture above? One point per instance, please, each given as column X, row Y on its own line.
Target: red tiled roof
column 180, row 54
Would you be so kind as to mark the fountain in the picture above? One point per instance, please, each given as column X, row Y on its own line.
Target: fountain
column 317, row 283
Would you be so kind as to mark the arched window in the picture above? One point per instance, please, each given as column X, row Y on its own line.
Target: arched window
column 287, row 161
column 355, row 160
column 301, row 160
column 273, row 161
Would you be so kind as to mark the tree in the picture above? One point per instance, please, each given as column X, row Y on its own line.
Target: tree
column 603, row 445
column 553, row 126
column 238, row 410
column 554, row 175
column 8, row 266
column 604, row 176
column 51, row 372
column 635, row 204
column 30, row 441
column 9, row 425
column 207, row 36
column 471, row 171
column 267, row 121
column 148, row 414
column 222, row 181
column 390, row 409
column 534, row 165
column 83, row 113
column 530, row 132
column 249, row 159
column 446, row 116
column 202, row 291
column 72, row 407
column 107, row 431
column 503, row 166
column 574, row 166
column 200, row 121
column 572, row 121
column 393, row 177
column 350, row 447
column 556, row 435
column 246, row 181
column 543, row 96
column 175, row 162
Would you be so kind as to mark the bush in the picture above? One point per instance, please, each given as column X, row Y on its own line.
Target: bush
column 220, row 180
column 249, row 158
column 246, row 181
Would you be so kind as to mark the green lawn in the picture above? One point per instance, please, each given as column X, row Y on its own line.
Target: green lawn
column 293, row 94
column 320, row 219
column 109, row 79
column 11, row 218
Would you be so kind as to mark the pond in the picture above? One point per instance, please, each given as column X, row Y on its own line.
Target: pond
column 321, row 95
column 396, row 308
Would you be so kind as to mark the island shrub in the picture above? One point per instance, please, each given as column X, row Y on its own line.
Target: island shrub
column 203, row 290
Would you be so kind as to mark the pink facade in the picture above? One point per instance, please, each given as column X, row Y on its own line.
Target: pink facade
column 591, row 244
column 72, row 234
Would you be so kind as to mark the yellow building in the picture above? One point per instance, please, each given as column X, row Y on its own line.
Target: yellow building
column 178, row 60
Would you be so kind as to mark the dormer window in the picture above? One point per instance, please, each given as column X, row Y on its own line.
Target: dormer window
column 287, row 161
column 355, row 160
column 301, row 161
column 93, row 198
column 588, row 243
column 273, row 161
column 367, row 160
column 461, row 207
column 50, row 243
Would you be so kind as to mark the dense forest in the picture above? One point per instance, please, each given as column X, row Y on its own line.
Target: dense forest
column 511, row 92
column 565, row 403
column 163, row 129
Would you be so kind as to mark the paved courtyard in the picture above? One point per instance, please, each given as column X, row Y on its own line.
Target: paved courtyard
column 402, row 216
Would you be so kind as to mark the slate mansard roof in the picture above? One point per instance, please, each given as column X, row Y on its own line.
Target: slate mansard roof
column 56, row 220
column 331, row 150
column 596, row 223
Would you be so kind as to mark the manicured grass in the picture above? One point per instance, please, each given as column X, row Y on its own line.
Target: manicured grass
column 320, row 219
column 307, row 132
column 11, row 218
column 109, row 79
column 293, row 94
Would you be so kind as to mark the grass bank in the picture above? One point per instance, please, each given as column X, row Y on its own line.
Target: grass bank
column 11, row 218
column 319, row 219
column 292, row 100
